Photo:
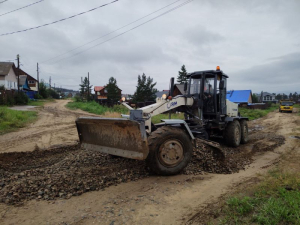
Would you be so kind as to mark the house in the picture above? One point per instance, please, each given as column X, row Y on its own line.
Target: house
column 101, row 93
column 32, row 82
column 266, row 97
column 178, row 89
column 8, row 76
column 23, row 83
column 159, row 94
column 239, row 96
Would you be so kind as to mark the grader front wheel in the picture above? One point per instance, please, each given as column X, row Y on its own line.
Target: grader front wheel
column 170, row 150
column 232, row 134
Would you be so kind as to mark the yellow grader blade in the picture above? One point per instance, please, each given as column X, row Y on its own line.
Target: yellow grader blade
column 119, row 137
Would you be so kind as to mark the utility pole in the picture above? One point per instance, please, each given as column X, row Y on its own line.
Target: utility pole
column 18, row 73
column 50, row 82
column 88, row 98
column 38, row 76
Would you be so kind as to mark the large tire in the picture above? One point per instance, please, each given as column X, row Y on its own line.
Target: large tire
column 170, row 150
column 244, row 131
column 232, row 134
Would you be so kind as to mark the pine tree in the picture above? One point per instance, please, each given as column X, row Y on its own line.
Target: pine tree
column 254, row 98
column 145, row 90
column 113, row 92
column 84, row 88
column 181, row 78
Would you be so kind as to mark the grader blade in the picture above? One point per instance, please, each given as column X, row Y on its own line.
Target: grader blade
column 119, row 137
column 218, row 152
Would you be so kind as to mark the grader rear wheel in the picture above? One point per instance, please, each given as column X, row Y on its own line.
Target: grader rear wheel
column 170, row 150
column 244, row 131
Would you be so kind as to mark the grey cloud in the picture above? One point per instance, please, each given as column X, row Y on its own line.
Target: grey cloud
column 279, row 75
column 233, row 34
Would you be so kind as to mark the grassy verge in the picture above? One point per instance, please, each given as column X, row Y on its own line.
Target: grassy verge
column 39, row 102
column 116, row 111
column 93, row 107
column 274, row 201
column 158, row 118
column 253, row 114
column 10, row 120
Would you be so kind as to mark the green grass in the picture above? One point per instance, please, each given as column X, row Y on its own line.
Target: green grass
column 158, row 118
column 275, row 201
column 253, row 114
column 10, row 119
column 39, row 102
column 94, row 107
column 297, row 105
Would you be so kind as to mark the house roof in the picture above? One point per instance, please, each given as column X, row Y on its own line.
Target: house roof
column 180, row 88
column 238, row 95
column 5, row 67
column 160, row 93
column 22, row 72
column 98, row 88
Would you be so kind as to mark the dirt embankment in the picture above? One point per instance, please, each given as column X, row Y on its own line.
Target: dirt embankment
column 50, row 185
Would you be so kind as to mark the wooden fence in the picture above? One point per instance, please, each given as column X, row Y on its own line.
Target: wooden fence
column 6, row 97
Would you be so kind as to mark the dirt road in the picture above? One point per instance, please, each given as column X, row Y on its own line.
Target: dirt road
column 55, row 126
column 139, row 198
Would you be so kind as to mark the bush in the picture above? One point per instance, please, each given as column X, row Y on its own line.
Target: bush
column 21, row 98
column 52, row 93
column 38, row 96
column 77, row 98
column 10, row 101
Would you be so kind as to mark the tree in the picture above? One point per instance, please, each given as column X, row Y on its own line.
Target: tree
column 84, row 87
column 295, row 97
column 254, row 98
column 181, row 78
column 113, row 92
column 43, row 90
column 278, row 97
column 145, row 90
column 53, row 94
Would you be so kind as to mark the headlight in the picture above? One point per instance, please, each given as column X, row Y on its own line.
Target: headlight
column 164, row 96
column 123, row 99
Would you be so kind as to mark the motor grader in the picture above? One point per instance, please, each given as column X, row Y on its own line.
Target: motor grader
column 167, row 146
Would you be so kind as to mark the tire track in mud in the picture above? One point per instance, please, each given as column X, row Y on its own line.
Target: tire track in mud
column 68, row 171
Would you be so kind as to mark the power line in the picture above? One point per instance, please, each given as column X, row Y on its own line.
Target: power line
column 70, row 17
column 21, row 8
column 109, row 32
column 179, row 6
column 3, row 1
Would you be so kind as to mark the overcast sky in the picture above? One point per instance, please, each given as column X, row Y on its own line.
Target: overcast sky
column 257, row 43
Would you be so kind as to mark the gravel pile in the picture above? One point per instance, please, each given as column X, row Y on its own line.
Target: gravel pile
column 70, row 171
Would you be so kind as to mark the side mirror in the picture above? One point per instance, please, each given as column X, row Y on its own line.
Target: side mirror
column 222, row 85
column 185, row 86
